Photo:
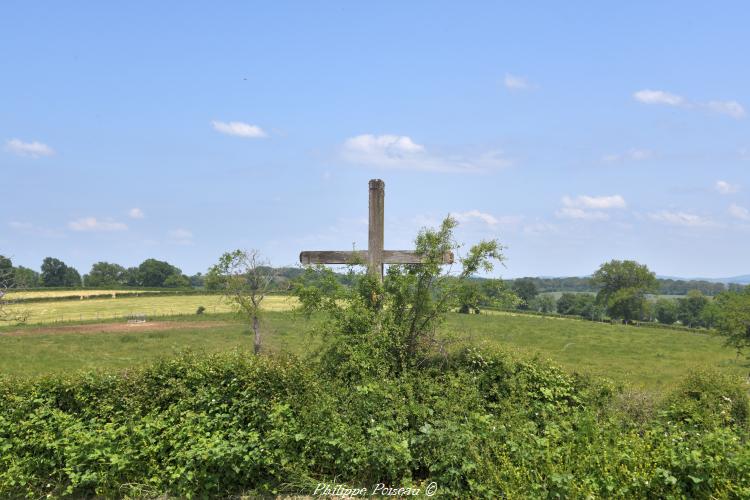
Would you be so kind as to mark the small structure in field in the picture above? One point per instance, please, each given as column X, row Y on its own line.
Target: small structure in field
column 135, row 319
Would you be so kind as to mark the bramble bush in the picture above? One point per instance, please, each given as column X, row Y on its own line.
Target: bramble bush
column 478, row 424
column 383, row 402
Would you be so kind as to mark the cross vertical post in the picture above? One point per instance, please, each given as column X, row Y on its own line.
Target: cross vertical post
column 376, row 229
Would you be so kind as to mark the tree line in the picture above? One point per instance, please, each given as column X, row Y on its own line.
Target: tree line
column 56, row 273
column 664, row 286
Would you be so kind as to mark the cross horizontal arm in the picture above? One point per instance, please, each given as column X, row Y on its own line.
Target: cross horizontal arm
column 360, row 257
column 333, row 257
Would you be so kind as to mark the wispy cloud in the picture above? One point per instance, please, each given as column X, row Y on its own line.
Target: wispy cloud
column 589, row 207
column 729, row 108
column 681, row 219
column 739, row 212
column 239, row 129
column 30, row 149
column 486, row 218
column 515, row 82
column 93, row 224
column 401, row 152
column 136, row 213
column 180, row 236
column 658, row 97
column 725, row 187
column 631, row 155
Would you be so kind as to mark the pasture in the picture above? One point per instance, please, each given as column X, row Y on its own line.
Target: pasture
column 37, row 294
column 649, row 357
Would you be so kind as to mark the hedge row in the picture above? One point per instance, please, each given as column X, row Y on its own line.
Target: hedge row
column 478, row 426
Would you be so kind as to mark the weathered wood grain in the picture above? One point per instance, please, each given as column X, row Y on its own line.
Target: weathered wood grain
column 333, row 257
column 360, row 257
column 376, row 228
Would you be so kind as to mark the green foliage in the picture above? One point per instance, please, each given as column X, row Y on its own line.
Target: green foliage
column 155, row 273
column 479, row 424
column 734, row 318
column 542, row 303
column 56, row 273
column 665, row 311
column 105, row 274
column 526, row 290
column 200, row 310
column 471, row 295
column 690, row 309
column 25, row 277
column 622, row 288
column 390, row 327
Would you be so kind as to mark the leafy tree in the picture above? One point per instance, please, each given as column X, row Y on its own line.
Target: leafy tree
column 245, row 279
column 130, row 277
column 567, row 304
column 6, row 266
column 473, row 294
column 544, row 303
column 711, row 314
column 72, row 277
column 526, row 290
column 154, row 272
column 9, row 311
column 387, row 328
column 734, row 318
column 25, row 277
column 469, row 295
column 622, row 288
column 56, row 273
column 177, row 281
column 197, row 280
column 105, row 274
column 690, row 309
column 665, row 311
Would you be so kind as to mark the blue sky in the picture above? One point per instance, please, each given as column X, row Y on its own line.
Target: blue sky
column 573, row 132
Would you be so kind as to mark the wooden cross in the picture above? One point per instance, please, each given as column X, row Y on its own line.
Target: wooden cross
column 375, row 256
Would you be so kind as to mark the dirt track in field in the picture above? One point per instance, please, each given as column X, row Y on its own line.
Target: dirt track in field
column 149, row 326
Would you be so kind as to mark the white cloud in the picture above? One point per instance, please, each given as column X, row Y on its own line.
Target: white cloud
column 739, row 212
column 729, row 108
column 180, row 236
column 598, row 202
column 631, row 155
column 401, row 152
column 579, row 213
column 724, row 187
column 31, row 149
column 658, row 97
column 589, row 207
column 93, row 224
column 514, row 82
column 20, row 225
column 486, row 218
column 681, row 219
column 239, row 129
column 136, row 213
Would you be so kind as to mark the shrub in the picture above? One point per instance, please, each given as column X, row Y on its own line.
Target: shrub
column 200, row 310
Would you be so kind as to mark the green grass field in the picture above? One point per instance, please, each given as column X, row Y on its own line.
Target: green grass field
column 645, row 356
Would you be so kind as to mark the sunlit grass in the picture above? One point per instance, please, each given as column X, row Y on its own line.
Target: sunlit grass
column 151, row 306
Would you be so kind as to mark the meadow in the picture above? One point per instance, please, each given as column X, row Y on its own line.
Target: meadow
column 36, row 294
column 653, row 358
column 151, row 306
